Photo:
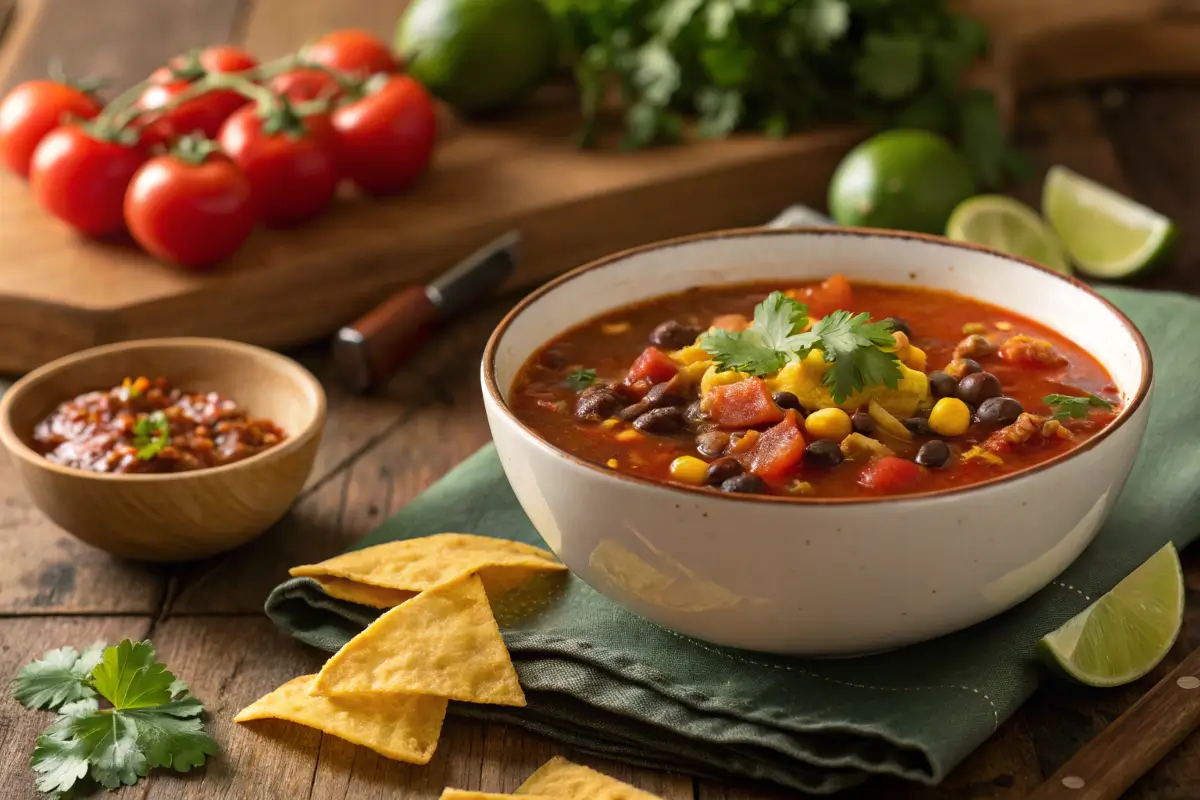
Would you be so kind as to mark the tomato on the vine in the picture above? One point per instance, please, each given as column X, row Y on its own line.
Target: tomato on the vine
column 305, row 83
column 288, row 161
column 385, row 139
column 33, row 109
column 191, row 206
column 80, row 176
column 203, row 114
column 352, row 51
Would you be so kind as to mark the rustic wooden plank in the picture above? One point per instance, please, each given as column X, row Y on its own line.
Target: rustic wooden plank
column 21, row 641
column 45, row 570
column 122, row 39
column 275, row 28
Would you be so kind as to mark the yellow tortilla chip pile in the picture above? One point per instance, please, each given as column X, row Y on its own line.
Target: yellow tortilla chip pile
column 559, row 779
column 388, row 687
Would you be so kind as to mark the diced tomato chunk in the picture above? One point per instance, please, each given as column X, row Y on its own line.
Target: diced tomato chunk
column 890, row 474
column 831, row 295
column 778, row 451
column 744, row 404
column 652, row 366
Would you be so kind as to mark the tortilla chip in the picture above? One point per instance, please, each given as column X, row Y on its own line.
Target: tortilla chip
column 362, row 593
column 564, row 780
column 462, row 794
column 443, row 642
column 402, row 727
column 414, row 565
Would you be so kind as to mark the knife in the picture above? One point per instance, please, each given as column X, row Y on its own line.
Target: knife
column 369, row 350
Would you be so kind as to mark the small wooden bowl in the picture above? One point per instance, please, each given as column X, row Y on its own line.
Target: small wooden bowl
column 179, row 516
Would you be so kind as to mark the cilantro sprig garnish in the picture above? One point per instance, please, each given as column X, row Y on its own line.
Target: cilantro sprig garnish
column 149, row 719
column 1068, row 407
column 151, row 434
column 850, row 343
column 581, row 379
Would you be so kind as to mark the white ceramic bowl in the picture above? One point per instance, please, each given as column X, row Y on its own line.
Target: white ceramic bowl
column 818, row 577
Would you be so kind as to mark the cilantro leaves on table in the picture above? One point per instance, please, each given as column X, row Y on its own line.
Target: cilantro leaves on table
column 851, row 343
column 1068, row 407
column 150, row 720
column 581, row 379
column 151, row 434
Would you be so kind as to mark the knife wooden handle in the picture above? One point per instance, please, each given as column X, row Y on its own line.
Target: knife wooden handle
column 1124, row 751
column 367, row 351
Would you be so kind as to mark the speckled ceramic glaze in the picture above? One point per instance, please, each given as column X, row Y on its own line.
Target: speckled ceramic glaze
column 824, row 576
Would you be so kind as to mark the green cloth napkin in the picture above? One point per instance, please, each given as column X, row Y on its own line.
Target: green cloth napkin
column 611, row 683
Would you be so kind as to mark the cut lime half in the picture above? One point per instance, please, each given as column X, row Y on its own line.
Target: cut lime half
column 1009, row 226
column 1127, row 632
column 1106, row 234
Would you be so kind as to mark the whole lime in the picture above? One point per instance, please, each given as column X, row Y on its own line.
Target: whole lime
column 901, row 179
column 477, row 55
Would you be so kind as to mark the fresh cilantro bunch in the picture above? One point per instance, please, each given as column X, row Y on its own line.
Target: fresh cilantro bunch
column 1067, row 407
column 151, row 433
column 851, row 343
column 781, row 65
column 121, row 714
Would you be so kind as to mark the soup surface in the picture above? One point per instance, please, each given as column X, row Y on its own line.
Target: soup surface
column 834, row 389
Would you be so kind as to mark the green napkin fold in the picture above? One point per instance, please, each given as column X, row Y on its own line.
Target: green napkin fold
column 611, row 683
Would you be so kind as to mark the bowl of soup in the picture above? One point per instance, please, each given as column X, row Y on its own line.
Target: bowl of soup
column 822, row 441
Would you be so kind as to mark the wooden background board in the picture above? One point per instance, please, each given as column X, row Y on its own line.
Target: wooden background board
column 59, row 293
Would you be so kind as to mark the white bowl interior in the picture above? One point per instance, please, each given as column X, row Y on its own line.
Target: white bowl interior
column 806, row 255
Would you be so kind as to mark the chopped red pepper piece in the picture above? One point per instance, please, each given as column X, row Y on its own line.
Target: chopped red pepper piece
column 778, row 451
column 652, row 366
column 744, row 404
column 890, row 474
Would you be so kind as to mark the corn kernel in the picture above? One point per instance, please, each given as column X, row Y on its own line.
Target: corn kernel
column 974, row 327
column 612, row 463
column 611, row 422
column 614, row 328
column 689, row 469
column 1004, row 326
column 828, row 423
column 628, row 436
column 901, row 344
column 950, row 417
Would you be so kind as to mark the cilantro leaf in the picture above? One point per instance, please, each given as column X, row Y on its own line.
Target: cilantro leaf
column 1067, row 407
column 128, row 677
column 778, row 317
column 745, row 351
column 852, row 343
column 171, row 735
column 151, row 434
column 59, row 676
column 580, row 379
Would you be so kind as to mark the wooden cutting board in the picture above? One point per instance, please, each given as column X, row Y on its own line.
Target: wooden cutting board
column 60, row 293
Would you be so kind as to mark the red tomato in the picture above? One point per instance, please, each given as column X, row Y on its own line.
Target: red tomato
column 203, row 114
column 890, row 474
column 352, row 51
column 33, row 109
column 304, row 83
column 832, row 295
column 194, row 214
column 385, row 140
column 82, row 180
column 292, row 174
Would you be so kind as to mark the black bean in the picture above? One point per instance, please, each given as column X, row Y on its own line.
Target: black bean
column 673, row 335
column 998, row 411
column 823, row 453
column 723, row 469
column 745, row 483
column 942, row 384
column 918, row 425
column 863, row 423
column 787, row 400
column 632, row 412
column 933, row 454
column 597, row 402
column 693, row 413
column 970, row 366
column 660, row 420
column 712, row 443
column 979, row 386
column 552, row 359
column 663, row 395
column 899, row 324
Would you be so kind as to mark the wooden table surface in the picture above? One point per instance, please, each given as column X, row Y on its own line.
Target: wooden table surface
column 380, row 452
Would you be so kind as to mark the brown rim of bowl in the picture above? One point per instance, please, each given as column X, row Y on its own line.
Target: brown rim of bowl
column 489, row 364
column 17, row 446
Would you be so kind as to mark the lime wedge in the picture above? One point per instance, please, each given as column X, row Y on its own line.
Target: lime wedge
column 1009, row 226
column 1124, row 634
column 1107, row 234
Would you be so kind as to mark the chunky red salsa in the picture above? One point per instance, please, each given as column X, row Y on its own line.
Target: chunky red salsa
column 835, row 389
column 149, row 426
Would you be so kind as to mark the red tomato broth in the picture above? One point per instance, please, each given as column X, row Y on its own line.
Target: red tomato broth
column 610, row 343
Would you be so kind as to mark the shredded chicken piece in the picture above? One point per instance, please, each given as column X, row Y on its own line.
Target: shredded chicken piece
column 974, row 346
column 1028, row 350
column 857, row 446
column 1024, row 429
column 956, row 369
column 977, row 453
column 1053, row 428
